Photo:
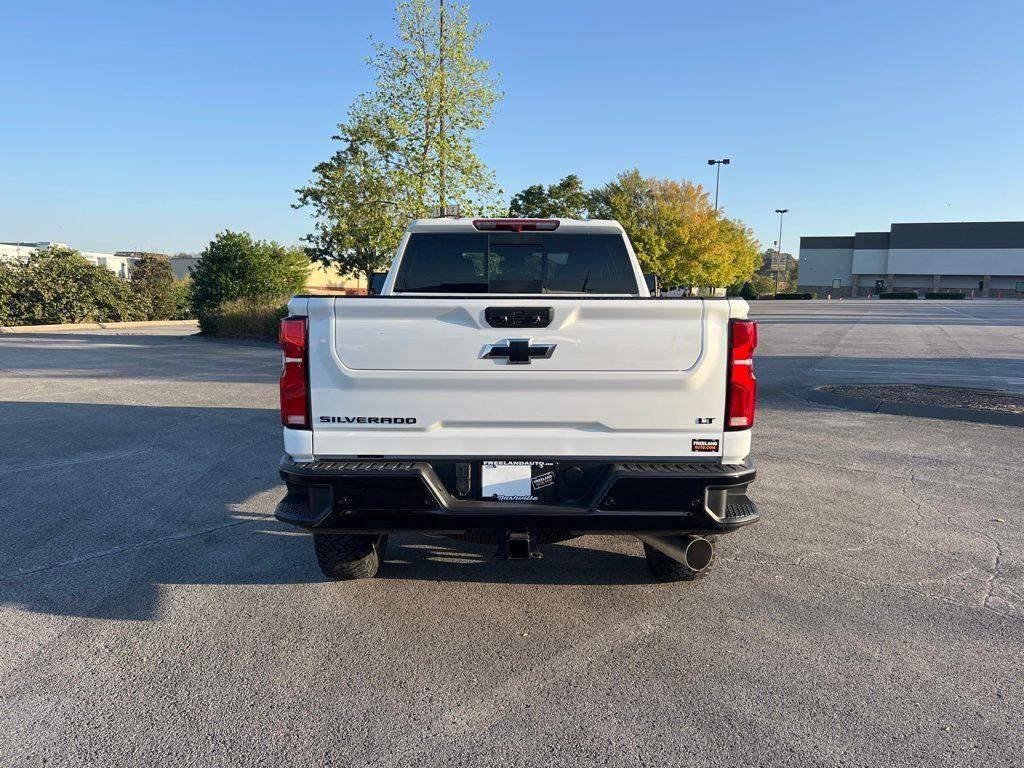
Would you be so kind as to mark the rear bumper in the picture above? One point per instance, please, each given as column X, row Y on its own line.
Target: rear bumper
column 408, row 495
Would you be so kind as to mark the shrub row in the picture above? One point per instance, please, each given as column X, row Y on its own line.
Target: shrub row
column 898, row 295
column 248, row 319
column 59, row 285
column 944, row 296
column 239, row 288
column 153, row 281
column 796, row 296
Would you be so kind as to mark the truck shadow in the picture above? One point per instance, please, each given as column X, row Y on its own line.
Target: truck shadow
column 436, row 558
column 104, row 505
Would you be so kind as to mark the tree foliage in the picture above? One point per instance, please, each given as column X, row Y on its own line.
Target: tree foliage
column 409, row 144
column 763, row 285
column 59, row 285
column 787, row 276
column 629, row 200
column 756, row 285
column 740, row 251
column 676, row 232
column 356, row 223
column 234, row 266
column 8, row 294
column 567, row 200
column 153, row 282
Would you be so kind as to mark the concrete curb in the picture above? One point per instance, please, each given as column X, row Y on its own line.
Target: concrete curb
column 98, row 326
column 911, row 409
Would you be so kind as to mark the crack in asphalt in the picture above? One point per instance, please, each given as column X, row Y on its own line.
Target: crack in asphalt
column 917, row 518
column 995, row 574
column 86, row 458
column 127, row 548
column 902, row 587
column 946, row 481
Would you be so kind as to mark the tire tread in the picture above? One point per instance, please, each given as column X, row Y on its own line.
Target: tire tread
column 343, row 557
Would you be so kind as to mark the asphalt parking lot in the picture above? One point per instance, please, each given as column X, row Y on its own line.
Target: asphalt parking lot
column 152, row 611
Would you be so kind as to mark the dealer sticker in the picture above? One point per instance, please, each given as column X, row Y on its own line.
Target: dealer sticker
column 704, row 445
column 543, row 480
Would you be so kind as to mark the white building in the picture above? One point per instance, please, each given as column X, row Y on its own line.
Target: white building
column 20, row 251
column 119, row 265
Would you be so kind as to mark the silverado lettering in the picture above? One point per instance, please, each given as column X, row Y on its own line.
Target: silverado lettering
column 367, row 420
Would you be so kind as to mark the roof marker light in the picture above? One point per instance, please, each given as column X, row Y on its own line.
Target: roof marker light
column 516, row 225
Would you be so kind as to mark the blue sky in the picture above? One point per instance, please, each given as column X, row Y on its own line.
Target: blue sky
column 154, row 125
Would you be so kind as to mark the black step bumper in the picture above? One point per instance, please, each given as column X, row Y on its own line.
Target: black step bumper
column 347, row 496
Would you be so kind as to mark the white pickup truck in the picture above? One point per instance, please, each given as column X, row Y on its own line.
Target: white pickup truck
column 514, row 382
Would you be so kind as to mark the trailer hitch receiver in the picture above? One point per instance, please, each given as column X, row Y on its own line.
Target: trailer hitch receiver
column 517, row 546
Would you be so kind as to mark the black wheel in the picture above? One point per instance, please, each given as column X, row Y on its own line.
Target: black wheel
column 667, row 569
column 343, row 557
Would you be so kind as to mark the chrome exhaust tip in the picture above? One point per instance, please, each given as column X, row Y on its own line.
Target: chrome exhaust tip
column 695, row 552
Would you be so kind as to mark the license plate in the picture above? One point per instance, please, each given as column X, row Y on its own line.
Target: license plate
column 517, row 480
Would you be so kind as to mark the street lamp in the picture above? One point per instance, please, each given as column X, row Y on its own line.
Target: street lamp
column 718, row 173
column 778, row 246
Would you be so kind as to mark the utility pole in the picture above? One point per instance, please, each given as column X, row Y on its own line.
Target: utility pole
column 778, row 246
column 442, row 81
column 718, row 175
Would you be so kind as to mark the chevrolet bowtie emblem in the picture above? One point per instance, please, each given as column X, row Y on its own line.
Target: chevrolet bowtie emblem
column 517, row 351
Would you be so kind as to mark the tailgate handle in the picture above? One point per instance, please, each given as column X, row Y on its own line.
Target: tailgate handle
column 518, row 317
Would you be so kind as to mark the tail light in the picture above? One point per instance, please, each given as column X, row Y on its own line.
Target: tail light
column 294, row 373
column 742, row 389
column 516, row 225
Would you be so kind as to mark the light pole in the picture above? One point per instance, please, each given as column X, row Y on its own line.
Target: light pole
column 718, row 174
column 778, row 249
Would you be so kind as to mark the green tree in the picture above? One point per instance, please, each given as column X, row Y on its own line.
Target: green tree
column 694, row 253
column 355, row 205
column 234, row 266
column 763, row 285
column 788, row 275
column 629, row 199
column 9, row 301
column 153, row 281
column 676, row 232
column 567, row 200
column 182, row 300
column 740, row 251
column 409, row 144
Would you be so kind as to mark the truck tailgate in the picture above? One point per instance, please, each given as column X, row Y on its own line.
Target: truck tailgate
column 432, row 377
column 591, row 335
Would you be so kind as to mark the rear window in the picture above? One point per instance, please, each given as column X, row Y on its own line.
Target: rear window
column 511, row 262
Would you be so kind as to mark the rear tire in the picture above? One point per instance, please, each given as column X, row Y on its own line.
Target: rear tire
column 344, row 557
column 666, row 569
